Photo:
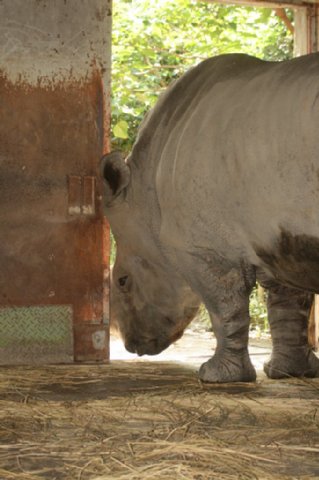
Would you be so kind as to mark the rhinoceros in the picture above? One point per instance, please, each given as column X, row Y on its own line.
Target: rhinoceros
column 221, row 189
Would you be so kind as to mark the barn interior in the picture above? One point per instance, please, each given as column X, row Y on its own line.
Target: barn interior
column 74, row 403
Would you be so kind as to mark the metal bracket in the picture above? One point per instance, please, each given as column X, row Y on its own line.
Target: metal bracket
column 81, row 191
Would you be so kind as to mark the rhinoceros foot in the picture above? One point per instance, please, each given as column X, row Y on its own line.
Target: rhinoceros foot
column 298, row 362
column 229, row 366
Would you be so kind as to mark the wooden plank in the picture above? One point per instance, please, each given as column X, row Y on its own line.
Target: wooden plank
column 295, row 4
column 316, row 324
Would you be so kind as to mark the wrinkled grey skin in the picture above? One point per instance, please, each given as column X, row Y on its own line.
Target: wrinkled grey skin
column 221, row 189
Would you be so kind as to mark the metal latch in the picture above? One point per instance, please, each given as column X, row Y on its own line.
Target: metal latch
column 81, row 195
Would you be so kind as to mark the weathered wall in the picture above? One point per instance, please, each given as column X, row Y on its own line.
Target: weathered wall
column 54, row 39
column 54, row 90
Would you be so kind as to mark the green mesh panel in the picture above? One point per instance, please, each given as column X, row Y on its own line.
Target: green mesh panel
column 36, row 335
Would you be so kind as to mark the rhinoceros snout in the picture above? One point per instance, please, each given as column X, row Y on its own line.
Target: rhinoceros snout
column 131, row 346
column 151, row 347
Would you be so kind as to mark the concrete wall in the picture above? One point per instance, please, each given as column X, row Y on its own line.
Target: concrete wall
column 54, row 39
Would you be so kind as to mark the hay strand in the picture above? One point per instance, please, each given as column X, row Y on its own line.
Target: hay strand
column 153, row 421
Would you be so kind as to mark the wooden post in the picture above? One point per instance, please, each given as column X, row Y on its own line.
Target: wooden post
column 306, row 30
column 301, row 32
column 306, row 41
column 316, row 323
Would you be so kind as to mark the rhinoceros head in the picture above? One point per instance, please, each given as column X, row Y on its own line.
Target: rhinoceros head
column 151, row 304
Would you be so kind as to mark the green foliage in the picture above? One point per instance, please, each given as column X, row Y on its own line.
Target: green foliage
column 120, row 129
column 113, row 250
column 258, row 311
column 155, row 42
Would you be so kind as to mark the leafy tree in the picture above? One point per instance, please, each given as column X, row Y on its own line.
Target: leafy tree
column 155, row 42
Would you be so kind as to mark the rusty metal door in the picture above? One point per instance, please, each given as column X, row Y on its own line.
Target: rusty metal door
column 54, row 88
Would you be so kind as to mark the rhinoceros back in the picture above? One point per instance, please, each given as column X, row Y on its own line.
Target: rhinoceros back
column 231, row 149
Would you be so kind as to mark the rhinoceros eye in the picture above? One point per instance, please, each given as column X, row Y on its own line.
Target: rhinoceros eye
column 122, row 281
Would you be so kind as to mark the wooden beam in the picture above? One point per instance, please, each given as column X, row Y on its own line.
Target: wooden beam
column 313, row 28
column 281, row 13
column 295, row 4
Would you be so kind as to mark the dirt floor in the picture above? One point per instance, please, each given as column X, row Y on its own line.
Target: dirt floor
column 143, row 419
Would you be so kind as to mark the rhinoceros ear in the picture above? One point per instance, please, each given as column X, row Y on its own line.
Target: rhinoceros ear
column 116, row 176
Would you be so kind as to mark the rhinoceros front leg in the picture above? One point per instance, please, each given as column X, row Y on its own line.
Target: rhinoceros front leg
column 225, row 290
column 288, row 312
column 230, row 322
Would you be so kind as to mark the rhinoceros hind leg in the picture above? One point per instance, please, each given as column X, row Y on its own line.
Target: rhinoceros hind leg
column 300, row 362
column 288, row 312
column 228, row 367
